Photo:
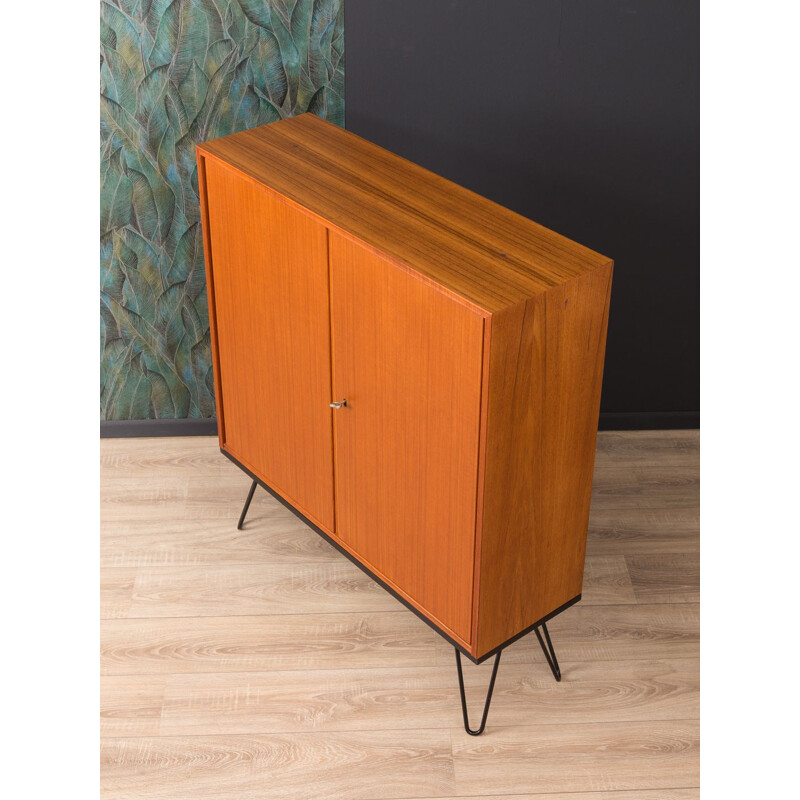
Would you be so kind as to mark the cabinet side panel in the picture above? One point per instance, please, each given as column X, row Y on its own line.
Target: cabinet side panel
column 545, row 376
column 270, row 285
column 408, row 360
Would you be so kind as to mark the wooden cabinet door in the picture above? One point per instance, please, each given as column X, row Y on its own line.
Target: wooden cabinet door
column 270, row 274
column 407, row 358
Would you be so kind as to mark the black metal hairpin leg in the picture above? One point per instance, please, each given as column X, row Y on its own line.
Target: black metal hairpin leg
column 488, row 695
column 247, row 504
column 549, row 652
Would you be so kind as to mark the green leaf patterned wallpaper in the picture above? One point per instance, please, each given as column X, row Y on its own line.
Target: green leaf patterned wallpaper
column 174, row 73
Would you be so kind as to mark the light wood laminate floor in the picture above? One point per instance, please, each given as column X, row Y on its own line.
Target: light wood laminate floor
column 262, row 664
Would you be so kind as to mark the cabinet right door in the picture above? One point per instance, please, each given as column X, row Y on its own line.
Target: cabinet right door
column 408, row 360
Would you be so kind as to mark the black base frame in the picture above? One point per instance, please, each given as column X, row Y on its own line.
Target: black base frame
column 539, row 627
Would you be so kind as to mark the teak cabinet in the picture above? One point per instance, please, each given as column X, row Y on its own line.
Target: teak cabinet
column 462, row 344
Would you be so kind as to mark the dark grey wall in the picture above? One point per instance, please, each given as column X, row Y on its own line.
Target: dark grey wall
column 581, row 114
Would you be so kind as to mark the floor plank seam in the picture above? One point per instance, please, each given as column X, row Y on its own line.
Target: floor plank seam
column 367, row 667
column 633, row 792
column 456, row 727
column 485, row 666
column 382, row 611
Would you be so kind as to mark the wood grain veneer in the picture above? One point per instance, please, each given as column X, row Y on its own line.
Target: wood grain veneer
column 408, row 359
column 270, row 276
column 467, row 340
column 545, row 375
column 487, row 254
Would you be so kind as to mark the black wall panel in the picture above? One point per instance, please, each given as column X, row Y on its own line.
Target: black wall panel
column 582, row 115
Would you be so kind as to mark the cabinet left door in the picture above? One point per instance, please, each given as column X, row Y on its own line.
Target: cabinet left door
column 269, row 269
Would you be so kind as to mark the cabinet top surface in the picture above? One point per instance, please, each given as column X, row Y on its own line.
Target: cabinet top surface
column 480, row 251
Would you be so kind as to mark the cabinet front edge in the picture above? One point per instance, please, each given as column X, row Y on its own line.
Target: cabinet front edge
column 212, row 311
